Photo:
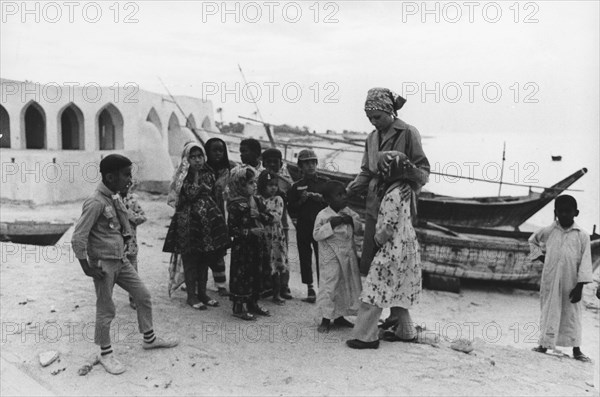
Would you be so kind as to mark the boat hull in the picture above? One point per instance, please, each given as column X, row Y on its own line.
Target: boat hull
column 31, row 232
column 499, row 257
column 477, row 212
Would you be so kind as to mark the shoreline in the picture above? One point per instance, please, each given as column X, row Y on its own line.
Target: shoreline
column 279, row 355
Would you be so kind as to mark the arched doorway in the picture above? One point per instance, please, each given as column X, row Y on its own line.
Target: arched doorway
column 174, row 131
column 154, row 119
column 206, row 124
column 71, row 128
column 191, row 122
column 110, row 128
column 4, row 128
column 34, row 123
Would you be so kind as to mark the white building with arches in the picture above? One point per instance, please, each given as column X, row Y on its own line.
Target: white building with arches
column 54, row 136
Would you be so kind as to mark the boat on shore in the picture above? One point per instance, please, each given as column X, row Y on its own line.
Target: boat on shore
column 482, row 254
column 475, row 212
column 32, row 232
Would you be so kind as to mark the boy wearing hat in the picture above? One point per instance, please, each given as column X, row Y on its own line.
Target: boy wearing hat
column 272, row 160
column 565, row 251
column 305, row 201
column 99, row 242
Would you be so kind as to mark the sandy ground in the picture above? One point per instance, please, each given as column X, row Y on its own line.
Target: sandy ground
column 47, row 303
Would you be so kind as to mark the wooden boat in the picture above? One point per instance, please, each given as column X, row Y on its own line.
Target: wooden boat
column 493, row 255
column 477, row 212
column 32, row 232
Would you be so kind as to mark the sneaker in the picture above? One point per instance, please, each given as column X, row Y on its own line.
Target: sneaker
column 111, row 364
column 160, row 343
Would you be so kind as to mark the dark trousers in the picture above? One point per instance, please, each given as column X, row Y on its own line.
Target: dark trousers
column 195, row 271
column 306, row 245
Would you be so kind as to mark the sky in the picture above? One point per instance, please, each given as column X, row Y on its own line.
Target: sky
column 465, row 67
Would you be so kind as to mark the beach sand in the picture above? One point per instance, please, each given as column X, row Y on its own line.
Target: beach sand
column 47, row 303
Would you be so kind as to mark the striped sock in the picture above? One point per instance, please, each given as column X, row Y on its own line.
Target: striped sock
column 105, row 350
column 149, row 336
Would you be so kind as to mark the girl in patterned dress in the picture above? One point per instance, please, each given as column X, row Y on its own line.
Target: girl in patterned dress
column 394, row 279
column 198, row 231
column 268, row 187
column 249, row 250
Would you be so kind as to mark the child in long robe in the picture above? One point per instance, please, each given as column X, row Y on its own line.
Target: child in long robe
column 566, row 253
column 268, row 188
column 340, row 284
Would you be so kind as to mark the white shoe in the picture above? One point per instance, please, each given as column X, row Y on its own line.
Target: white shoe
column 161, row 343
column 111, row 364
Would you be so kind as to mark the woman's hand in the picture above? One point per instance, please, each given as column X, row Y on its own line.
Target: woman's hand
column 386, row 158
column 405, row 192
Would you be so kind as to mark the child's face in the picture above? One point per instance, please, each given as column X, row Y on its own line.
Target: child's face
column 271, row 188
column 338, row 200
column 248, row 156
column 272, row 164
column 216, row 152
column 309, row 167
column 566, row 215
column 196, row 158
column 251, row 187
column 120, row 181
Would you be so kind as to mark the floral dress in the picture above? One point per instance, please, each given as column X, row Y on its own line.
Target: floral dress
column 275, row 236
column 394, row 279
column 250, row 269
column 198, row 224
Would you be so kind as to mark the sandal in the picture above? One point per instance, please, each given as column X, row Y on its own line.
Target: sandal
column 199, row 306
column 582, row 357
column 244, row 316
column 258, row 310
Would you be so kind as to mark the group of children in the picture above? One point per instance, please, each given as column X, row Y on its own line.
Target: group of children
column 248, row 212
column 244, row 208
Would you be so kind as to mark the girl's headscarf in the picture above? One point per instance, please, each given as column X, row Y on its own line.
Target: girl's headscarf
column 238, row 181
column 385, row 100
column 181, row 173
column 224, row 161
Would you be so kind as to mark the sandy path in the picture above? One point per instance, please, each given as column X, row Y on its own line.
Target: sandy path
column 280, row 355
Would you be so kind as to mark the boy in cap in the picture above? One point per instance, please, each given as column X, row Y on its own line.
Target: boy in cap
column 565, row 251
column 305, row 201
column 273, row 161
column 99, row 242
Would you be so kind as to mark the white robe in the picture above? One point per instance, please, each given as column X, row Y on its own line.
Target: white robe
column 568, row 261
column 340, row 285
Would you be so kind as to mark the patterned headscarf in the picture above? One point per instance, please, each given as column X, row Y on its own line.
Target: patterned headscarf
column 384, row 100
column 238, row 180
column 181, row 173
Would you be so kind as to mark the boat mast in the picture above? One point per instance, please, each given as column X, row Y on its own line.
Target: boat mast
column 267, row 126
column 502, row 169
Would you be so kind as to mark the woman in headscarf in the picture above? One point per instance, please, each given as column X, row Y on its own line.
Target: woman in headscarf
column 217, row 161
column 394, row 279
column 198, row 231
column 392, row 137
